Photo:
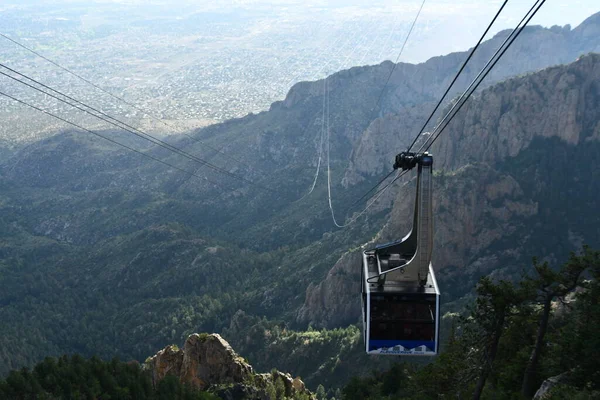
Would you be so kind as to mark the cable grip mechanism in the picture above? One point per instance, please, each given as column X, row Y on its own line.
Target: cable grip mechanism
column 407, row 160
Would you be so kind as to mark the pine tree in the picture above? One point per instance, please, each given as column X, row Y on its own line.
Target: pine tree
column 548, row 286
column 494, row 305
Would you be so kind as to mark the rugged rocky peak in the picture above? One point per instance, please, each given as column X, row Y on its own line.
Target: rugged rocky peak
column 587, row 35
column 560, row 102
column 208, row 362
column 413, row 90
column 479, row 200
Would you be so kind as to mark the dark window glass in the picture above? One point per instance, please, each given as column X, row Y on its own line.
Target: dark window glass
column 403, row 317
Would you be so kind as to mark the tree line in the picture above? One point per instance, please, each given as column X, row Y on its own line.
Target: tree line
column 513, row 337
column 74, row 377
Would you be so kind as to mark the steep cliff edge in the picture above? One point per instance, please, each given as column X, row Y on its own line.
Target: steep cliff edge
column 512, row 165
column 400, row 120
column 207, row 362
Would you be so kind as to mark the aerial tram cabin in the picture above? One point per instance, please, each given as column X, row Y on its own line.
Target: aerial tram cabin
column 400, row 296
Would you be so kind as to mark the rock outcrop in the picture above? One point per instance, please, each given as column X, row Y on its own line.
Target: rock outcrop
column 548, row 384
column 559, row 102
column 207, row 362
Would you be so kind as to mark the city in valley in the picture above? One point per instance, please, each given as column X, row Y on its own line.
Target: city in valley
column 196, row 63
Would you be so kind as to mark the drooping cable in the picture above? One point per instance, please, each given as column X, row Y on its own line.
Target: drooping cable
column 320, row 142
column 110, row 140
column 328, row 143
column 374, row 199
column 143, row 111
column 439, row 103
column 482, row 74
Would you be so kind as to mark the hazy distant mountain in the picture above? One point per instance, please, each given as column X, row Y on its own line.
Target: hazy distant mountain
column 411, row 85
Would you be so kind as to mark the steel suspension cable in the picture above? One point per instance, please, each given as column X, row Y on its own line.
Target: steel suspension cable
column 321, row 140
column 145, row 112
column 328, row 162
column 482, row 74
column 457, row 75
column 124, row 126
column 111, row 140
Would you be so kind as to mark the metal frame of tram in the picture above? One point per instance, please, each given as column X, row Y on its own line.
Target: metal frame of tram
column 400, row 295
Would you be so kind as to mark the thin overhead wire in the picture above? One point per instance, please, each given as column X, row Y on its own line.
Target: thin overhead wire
column 482, row 74
column 329, row 159
column 373, row 188
column 141, row 135
column 122, row 125
column 399, row 55
column 111, row 140
column 321, row 141
column 374, row 199
column 383, row 90
column 457, row 75
column 370, row 203
column 143, row 111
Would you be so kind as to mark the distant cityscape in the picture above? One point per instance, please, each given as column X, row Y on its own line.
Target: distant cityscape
column 188, row 66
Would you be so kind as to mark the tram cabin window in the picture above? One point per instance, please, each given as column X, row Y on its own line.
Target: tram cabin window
column 403, row 317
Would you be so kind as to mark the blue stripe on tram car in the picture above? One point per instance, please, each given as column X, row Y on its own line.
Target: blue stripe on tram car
column 407, row 344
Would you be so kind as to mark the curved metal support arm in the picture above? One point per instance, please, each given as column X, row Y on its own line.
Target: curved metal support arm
column 408, row 260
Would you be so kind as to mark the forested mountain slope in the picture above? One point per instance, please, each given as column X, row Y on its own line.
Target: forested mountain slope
column 105, row 252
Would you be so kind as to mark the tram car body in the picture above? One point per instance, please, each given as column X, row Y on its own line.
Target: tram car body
column 399, row 318
column 400, row 296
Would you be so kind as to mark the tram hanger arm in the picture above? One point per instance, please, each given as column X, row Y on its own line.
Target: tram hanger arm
column 408, row 260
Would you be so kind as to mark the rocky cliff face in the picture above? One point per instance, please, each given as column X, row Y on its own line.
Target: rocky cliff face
column 481, row 200
column 535, row 49
column 207, row 362
column 557, row 102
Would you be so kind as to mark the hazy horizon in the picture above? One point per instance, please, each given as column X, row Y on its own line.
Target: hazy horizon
column 198, row 63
